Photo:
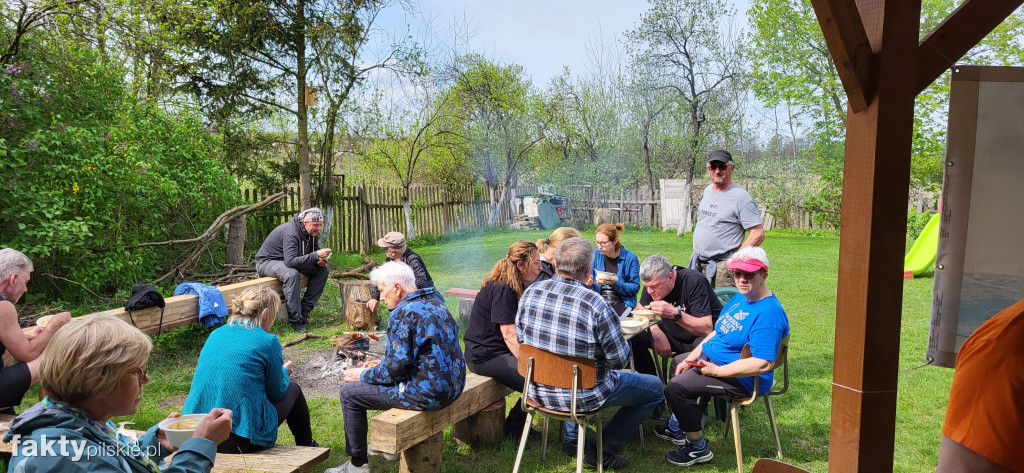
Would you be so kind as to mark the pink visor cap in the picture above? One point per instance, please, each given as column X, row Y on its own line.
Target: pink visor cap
column 748, row 265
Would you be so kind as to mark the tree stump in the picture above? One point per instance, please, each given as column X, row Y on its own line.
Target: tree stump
column 603, row 216
column 486, row 427
column 354, row 295
column 425, row 456
column 465, row 310
column 236, row 240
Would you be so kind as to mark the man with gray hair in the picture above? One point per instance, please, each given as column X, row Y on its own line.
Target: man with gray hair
column 15, row 271
column 562, row 315
column 686, row 304
column 292, row 250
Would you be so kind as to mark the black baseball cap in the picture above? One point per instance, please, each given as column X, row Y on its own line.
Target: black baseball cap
column 720, row 155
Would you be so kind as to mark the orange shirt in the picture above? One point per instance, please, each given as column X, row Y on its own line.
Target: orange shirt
column 986, row 402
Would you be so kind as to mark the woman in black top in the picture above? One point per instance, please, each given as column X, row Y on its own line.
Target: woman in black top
column 491, row 345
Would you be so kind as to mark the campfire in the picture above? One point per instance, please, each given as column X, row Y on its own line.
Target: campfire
column 354, row 350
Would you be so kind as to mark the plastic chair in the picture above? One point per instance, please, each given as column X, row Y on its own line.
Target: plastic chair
column 726, row 293
column 736, row 402
column 540, row 366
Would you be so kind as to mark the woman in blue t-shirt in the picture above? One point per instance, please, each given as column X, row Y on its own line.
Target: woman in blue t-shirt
column 753, row 317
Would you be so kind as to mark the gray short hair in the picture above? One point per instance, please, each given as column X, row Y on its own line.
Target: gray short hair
column 12, row 261
column 314, row 214
column 574, row 257
column 393, row 272
column 654, row 265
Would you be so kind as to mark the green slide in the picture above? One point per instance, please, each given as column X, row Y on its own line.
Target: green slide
column 921, row 257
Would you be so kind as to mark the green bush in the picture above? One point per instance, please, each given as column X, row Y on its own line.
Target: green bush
column 916, row 223
column 88, row 172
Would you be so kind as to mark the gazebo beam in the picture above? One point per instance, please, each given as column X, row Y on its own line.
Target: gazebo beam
column 848, row 43
column 969, row 23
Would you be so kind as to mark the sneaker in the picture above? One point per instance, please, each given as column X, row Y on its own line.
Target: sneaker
column 688, row 455
column 377, row 453
column 569, row 448
column 348, row 467
column 674, row 436
column 610, row 461
column 299, row 327
column 657, row 413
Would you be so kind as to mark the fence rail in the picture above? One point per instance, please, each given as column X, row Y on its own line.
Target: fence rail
column 360, row 215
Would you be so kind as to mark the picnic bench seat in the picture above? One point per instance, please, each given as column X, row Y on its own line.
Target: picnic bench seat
column 477, row 418
column 279, row 459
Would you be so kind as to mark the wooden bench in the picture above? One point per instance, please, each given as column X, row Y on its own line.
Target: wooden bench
column 466, row 299
column 477, row 417
column 281, row 458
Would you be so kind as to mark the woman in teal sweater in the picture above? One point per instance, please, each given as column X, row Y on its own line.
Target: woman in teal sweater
column 242, row 368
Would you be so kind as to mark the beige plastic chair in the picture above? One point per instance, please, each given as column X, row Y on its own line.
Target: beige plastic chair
column 539, row 366
column 736, row 402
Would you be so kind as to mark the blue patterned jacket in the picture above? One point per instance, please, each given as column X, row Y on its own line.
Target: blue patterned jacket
column 423, row 367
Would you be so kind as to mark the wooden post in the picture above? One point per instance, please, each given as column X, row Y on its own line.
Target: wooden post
column 875, row 190
column 424, row 456
column 484, row 428
column 364, row 212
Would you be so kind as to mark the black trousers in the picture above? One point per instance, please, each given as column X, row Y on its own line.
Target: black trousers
column 688, row 394
column 291, row 408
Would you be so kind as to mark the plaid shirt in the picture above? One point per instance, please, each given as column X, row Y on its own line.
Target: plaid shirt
column 565, row 317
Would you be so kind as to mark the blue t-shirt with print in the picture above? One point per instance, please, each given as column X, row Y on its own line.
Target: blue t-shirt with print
column 762, row 324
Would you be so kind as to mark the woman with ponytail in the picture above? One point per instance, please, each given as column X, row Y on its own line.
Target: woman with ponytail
column 491, row 346
column 242, row 368
column 547, row 250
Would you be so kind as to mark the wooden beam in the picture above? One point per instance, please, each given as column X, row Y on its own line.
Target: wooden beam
column 943, row 46
column 847, row 40
column 875, row 191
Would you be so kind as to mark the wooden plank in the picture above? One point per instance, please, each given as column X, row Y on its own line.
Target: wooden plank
column 182, row 310
column 958, row 33
column 875, row 194
column 396, row 430
column 462, row 293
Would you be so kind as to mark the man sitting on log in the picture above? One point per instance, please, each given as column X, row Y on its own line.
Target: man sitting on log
column 293, row 249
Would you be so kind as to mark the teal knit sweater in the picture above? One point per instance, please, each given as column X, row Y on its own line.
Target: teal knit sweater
column 241, row 369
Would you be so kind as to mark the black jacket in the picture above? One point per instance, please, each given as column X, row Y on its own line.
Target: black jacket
column 414, row 261
column 290, row 243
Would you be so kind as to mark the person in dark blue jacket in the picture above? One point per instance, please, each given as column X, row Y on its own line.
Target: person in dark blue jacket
column 92, row 370
column 610, row 256
column 242, row 368
column 423, row 368
column 293, row 249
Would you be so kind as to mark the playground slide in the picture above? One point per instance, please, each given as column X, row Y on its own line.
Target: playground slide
column 921, row 257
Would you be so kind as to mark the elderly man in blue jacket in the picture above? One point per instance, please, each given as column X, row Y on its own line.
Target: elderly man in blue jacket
column 293, row 249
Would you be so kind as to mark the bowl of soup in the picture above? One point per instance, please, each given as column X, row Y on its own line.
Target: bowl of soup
column 44, row 320
column 604, row 277
column 180, row 429
column 631, row 326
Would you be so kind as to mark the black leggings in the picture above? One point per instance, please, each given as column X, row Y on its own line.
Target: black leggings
column 505, row 369
column 292, row 408
column 14, row 383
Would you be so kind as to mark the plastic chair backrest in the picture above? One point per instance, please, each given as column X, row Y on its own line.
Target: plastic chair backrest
column 556, row 370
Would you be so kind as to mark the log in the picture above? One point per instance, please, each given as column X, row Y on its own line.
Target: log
column 423, row 457
column 354, row 295
column 484, row 428
column 465, row 311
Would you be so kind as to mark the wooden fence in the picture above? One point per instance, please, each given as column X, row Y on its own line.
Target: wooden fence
column 362, row 214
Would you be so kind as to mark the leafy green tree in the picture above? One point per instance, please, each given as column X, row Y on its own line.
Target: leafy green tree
column 693, row 55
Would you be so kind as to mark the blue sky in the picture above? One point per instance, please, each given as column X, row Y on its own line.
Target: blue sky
column 542, row 36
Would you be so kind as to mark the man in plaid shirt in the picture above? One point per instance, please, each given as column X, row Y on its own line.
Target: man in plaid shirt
column 564, row 316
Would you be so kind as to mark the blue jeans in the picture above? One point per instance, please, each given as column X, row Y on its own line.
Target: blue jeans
column 636, row 395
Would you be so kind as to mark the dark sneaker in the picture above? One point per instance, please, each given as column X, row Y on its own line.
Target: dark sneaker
column 611, row 460
column 299, row 327
column 674, row 436
column 688, row 455
column 569, row 448
column 657, row 413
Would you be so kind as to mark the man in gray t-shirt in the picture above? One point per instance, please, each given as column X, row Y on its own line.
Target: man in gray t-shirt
column 726, row 212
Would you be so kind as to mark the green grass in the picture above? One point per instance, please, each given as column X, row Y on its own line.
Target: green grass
column 803, row 275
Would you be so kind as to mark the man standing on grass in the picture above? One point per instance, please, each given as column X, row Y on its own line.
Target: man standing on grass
column 290, row 251
column 726, row 212
column 562, row 315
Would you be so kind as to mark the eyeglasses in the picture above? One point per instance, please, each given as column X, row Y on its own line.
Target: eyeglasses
column 720, row 166
column 603, row 243
column 143, row 375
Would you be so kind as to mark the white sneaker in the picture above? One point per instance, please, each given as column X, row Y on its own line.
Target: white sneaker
column 348, row 467
column 387, row 456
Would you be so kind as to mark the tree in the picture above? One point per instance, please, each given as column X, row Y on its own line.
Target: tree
column 694, row 57
column 502, row 122
column 260, row 55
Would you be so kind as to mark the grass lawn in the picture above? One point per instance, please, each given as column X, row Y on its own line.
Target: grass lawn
column 803, row 275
